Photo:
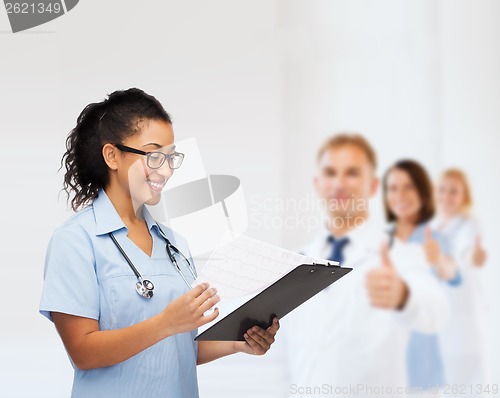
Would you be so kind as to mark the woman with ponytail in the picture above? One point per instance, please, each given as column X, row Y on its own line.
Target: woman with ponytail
column 118, row 158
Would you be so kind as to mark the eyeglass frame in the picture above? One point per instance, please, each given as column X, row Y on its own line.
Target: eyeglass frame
column 166, row 157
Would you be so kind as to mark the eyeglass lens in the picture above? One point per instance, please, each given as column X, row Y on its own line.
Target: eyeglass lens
column 156, row 159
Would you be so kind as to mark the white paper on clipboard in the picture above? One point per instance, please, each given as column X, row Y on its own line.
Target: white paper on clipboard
column 241, row 265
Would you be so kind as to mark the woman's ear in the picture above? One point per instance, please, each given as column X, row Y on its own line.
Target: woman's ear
column 110, row 155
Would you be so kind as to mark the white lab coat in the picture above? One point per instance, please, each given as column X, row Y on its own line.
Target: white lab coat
column 463, row 342
column 337, row 340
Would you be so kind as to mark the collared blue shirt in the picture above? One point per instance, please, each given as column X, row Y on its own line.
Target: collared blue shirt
column 86, row 275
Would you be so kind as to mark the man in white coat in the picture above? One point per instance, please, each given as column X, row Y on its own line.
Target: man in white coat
column 351, row 338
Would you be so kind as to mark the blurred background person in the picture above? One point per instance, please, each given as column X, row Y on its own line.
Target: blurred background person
column 463, row 341
column 409, row 207
column 353, row 335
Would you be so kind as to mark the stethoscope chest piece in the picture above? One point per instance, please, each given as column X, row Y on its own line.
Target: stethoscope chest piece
column 144, row 288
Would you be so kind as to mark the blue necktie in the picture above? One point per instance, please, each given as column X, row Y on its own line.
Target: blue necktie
column 338, row 246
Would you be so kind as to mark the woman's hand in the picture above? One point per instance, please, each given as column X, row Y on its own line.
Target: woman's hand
column 431, row 248
column 91, row 348
column 478, row 253
column 187, row 311
column 258, row 341
column 445, row 266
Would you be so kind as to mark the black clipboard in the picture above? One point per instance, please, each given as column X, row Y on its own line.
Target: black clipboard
column 280, row 298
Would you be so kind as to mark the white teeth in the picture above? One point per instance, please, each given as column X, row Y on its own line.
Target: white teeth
column 155, row 184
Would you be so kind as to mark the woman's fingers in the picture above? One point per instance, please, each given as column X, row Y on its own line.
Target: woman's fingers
column 261, row 340
column 209, row 318
column 205, row 306
column 267, row 336
column 258, row 344
column 206, row 301
column 274, row 327
column 204, row 296
column 198, row 289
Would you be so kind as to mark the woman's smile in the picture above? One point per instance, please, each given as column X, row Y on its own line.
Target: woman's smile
column 156, row 185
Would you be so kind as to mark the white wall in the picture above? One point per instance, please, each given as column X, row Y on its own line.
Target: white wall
column 358, row 67
column 259, row 84
column 470, row 106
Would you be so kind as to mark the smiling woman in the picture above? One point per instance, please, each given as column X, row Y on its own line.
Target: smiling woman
column 119, row 157
column 409, row 206
column 92, row 160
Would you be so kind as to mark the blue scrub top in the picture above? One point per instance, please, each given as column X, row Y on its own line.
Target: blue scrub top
column 85, row 275
column 424, row 363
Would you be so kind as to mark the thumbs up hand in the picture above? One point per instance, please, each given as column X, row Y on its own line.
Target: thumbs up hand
column 478, row 253
column 431, row 248
column 444, row 265
column 385, row 287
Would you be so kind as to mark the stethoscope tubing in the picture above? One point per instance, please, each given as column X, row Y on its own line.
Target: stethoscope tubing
column 131, row 265
column 171, row 249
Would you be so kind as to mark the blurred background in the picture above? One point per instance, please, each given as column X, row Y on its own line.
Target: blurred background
column 259, row 84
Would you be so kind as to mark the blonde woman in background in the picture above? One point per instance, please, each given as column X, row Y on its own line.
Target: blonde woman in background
column 462, row 343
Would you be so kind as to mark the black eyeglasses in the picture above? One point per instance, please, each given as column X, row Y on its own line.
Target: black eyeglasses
column 156, row 159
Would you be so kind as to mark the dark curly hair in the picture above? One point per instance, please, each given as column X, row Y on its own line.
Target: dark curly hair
column 423, row 185
column 110, row 121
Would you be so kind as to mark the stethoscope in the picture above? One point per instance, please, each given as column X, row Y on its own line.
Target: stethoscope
column 145, row 287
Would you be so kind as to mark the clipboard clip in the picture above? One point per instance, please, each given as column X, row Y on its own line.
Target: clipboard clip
column 328, row 264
